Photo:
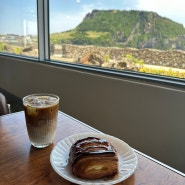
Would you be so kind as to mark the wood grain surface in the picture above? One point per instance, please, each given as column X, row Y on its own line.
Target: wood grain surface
column 22, row 164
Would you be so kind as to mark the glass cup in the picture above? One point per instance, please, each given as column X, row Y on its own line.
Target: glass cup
column 41, row 114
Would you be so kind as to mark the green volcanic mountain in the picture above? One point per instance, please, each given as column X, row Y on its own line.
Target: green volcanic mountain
column 115, row 28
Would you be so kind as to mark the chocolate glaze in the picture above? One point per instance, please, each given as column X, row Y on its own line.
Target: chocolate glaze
column 91, row 146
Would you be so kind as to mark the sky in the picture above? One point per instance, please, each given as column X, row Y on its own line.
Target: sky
column 20, row 16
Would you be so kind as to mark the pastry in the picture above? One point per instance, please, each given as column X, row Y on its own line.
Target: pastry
column 93, row 158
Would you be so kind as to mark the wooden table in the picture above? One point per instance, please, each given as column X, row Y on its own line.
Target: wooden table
column 21, row 164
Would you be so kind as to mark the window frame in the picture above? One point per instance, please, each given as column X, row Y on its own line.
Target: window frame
column 43, row 30
column 44, row 56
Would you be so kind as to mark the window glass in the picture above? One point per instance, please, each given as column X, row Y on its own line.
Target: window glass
column 18, row 31
column 136, row 35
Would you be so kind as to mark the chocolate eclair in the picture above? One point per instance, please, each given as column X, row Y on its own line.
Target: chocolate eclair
column 93, row 158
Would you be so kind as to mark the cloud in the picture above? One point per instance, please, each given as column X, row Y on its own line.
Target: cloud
column 62, row 22
column 173, row 11
column 162, row 5
column 86, row 8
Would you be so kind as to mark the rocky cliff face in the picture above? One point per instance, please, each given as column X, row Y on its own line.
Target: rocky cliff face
column 137, row 29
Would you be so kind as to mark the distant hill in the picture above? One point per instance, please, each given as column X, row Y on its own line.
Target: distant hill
column 138, row 29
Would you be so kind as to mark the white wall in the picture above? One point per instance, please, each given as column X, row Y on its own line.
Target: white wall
column 149, row 118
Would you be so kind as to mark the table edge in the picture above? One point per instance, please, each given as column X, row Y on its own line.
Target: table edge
column 138, row 152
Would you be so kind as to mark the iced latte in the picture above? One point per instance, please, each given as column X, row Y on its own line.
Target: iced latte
column 41, row 113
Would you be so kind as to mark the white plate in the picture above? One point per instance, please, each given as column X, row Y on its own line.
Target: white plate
column 60, row 154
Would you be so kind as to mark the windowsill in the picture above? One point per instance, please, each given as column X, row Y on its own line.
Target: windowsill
column 112, row 73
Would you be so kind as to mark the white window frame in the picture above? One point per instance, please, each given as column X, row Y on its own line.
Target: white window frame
column 43, row 29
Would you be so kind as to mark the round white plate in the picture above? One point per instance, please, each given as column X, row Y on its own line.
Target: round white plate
column 126, row 155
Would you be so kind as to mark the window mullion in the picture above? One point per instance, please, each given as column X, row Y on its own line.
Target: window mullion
column 43, row 29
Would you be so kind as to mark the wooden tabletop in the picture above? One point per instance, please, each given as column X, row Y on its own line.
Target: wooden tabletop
column 20, row 163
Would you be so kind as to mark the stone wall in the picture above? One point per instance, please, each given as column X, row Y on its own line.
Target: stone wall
column 172, row 58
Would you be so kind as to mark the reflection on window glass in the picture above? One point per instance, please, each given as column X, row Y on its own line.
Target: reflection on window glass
column 136, row 35
column 18, row 31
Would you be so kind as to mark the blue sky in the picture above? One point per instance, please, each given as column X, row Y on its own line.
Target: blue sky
column 19, row 16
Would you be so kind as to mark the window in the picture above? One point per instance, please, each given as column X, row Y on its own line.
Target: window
column 147, row 37
column 141, row 35
column 18, row 32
